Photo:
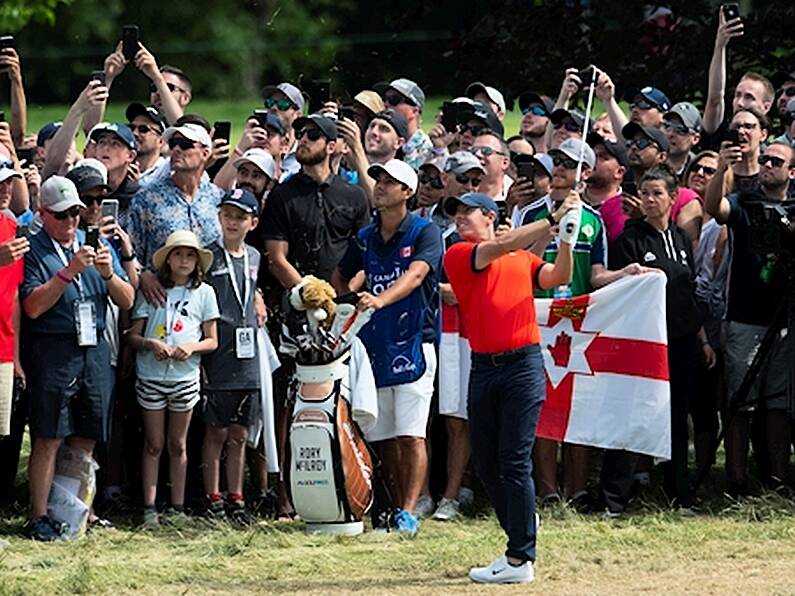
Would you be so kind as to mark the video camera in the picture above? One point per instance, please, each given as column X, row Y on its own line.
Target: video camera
column 772, row 226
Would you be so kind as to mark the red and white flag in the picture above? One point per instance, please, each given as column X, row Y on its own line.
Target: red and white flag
column 606, row 359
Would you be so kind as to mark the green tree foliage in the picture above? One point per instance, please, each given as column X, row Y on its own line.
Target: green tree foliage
column 16, row 14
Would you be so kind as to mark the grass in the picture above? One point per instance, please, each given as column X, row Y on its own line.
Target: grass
column 234, row 111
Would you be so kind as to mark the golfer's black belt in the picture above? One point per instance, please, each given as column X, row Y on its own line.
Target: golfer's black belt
column 502, row 358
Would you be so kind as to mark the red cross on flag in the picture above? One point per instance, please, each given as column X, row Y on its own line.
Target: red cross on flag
column 606, row 360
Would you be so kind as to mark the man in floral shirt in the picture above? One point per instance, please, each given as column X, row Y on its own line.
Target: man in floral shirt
column 406, row 97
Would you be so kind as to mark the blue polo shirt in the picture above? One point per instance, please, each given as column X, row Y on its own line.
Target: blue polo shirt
column 427, row 248
column 41, row 263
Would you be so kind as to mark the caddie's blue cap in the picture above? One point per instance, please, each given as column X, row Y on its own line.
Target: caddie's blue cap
column 471, row 199
column 242, row 199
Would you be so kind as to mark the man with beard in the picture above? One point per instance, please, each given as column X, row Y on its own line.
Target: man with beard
column 147, row 125
column 535, row 110
column 603, row 188
column 265, row 132
column 255, row 170
column 682, row 125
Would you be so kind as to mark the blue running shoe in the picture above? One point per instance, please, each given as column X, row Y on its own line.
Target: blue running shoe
column 405, row 522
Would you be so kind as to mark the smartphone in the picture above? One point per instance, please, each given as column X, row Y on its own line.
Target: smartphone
column 23, row 231
column 319, row 93
column 92, row 237
column 222, row 130
column 129, row 41
column 2, row 116
column 6, row 42
column 347, row 112
column 450, row 111
column 109, row 207
column 525, row 170
column 26, row 154
column 98, row 75
column 586, row 74
column 731, row 11
column 502, row 211
column 733, row 136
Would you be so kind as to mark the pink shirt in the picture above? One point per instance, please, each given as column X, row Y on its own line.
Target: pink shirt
column 683, row 197
column 612, row 212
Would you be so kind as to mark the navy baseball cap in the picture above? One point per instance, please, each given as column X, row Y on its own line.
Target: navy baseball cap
column 617, row 150
column 138, row 109
column 122, row 131
column 656, row 97
column 242, row 199
column 653, row 134
column 529, row 98
column 480, row 111
column 471, row 199
column 47, row 132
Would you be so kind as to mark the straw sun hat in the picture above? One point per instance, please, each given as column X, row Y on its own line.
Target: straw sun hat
column 184, row 238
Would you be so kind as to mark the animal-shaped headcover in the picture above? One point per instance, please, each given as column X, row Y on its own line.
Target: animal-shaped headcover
column 316, row 296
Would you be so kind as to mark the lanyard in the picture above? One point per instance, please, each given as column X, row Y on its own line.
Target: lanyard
column 62, row 256
column 233, row 278
column 171, row 310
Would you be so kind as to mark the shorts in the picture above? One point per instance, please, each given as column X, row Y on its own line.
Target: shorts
column 70, row 389
column 403, row 409
column 231, row 406
column 178, row 396
column 455, row 362
column 742, row 343
column 6, row 397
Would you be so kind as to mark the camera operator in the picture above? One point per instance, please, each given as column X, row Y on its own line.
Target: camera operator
column 754, row 291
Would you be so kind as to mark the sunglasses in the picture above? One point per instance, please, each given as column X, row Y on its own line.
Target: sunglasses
column 743, row 126
column 434, row 181
column 706, row 170
column 464, row 179
column 679, row 129
column 535, row 111
column 563, row 160
column 568, row 125
column 776, row 162
column 486, row 151
column 142, row 128
column 641, row 143
column 393, row 99
column 180, row 142
column 171, row 87
column 475, row 130
column 281, row 104
column 644, row 105
column 789, row 91
column 62, row 215
column 313, row 134
column 91, row 200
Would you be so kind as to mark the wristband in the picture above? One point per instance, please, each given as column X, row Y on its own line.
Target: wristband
column 109, row 277
column 63, row 277
column 127, row 259
column 551, row 219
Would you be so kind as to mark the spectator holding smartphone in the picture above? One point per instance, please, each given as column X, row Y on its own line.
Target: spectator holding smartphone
column 9, row 62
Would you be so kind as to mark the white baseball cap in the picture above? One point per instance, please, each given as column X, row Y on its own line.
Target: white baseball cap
column 399, row 170
column 59, row 194
column 493, row 94
column 260, row 158
column 7, row 171
column 191, row 131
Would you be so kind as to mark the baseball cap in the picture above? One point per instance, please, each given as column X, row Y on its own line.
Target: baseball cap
column 493, row 94
column 7, row 171
column 654, row 134
column 656, row 97
column 47, row 132
column 560, row 114
column 399, row 170
column 242, row 199
column 370, row 100
column 781, row 77
column 138, row 109
column 325, row 124
column 410, row 90
column 481, row 111
column 529, row 98
column 260, row 158
column 461, row 162
column 396, row 121
column 119, row 130
column 59, row 194
column 292, row 93
column 194, row 132
column 617, row 150
column 471, row 199
column 544, row 161
column 687, row 113
column 436, row 161
column 269, row 120
column 573, row 147
column 89, row 173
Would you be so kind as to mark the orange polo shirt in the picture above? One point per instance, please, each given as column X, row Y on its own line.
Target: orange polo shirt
column 496, row 303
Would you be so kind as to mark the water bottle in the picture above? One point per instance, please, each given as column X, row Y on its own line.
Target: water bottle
column 562, row 292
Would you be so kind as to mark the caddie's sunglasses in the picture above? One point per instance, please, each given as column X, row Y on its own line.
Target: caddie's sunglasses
column 486, row 151
column 180, row 142
column 171, row 87
column 313, row 134
column 281, row 104
column 464, row 179
column 569, row 125
column 705, row 170
column 434, row 181
column 641, row 143
column 776, row 162
column 62, row 215
column 534, row 110
column 566, row 162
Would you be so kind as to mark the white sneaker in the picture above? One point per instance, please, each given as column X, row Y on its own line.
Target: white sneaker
column 448, row 509
column 500, row 572
column 465, row 496
column 425, row 506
